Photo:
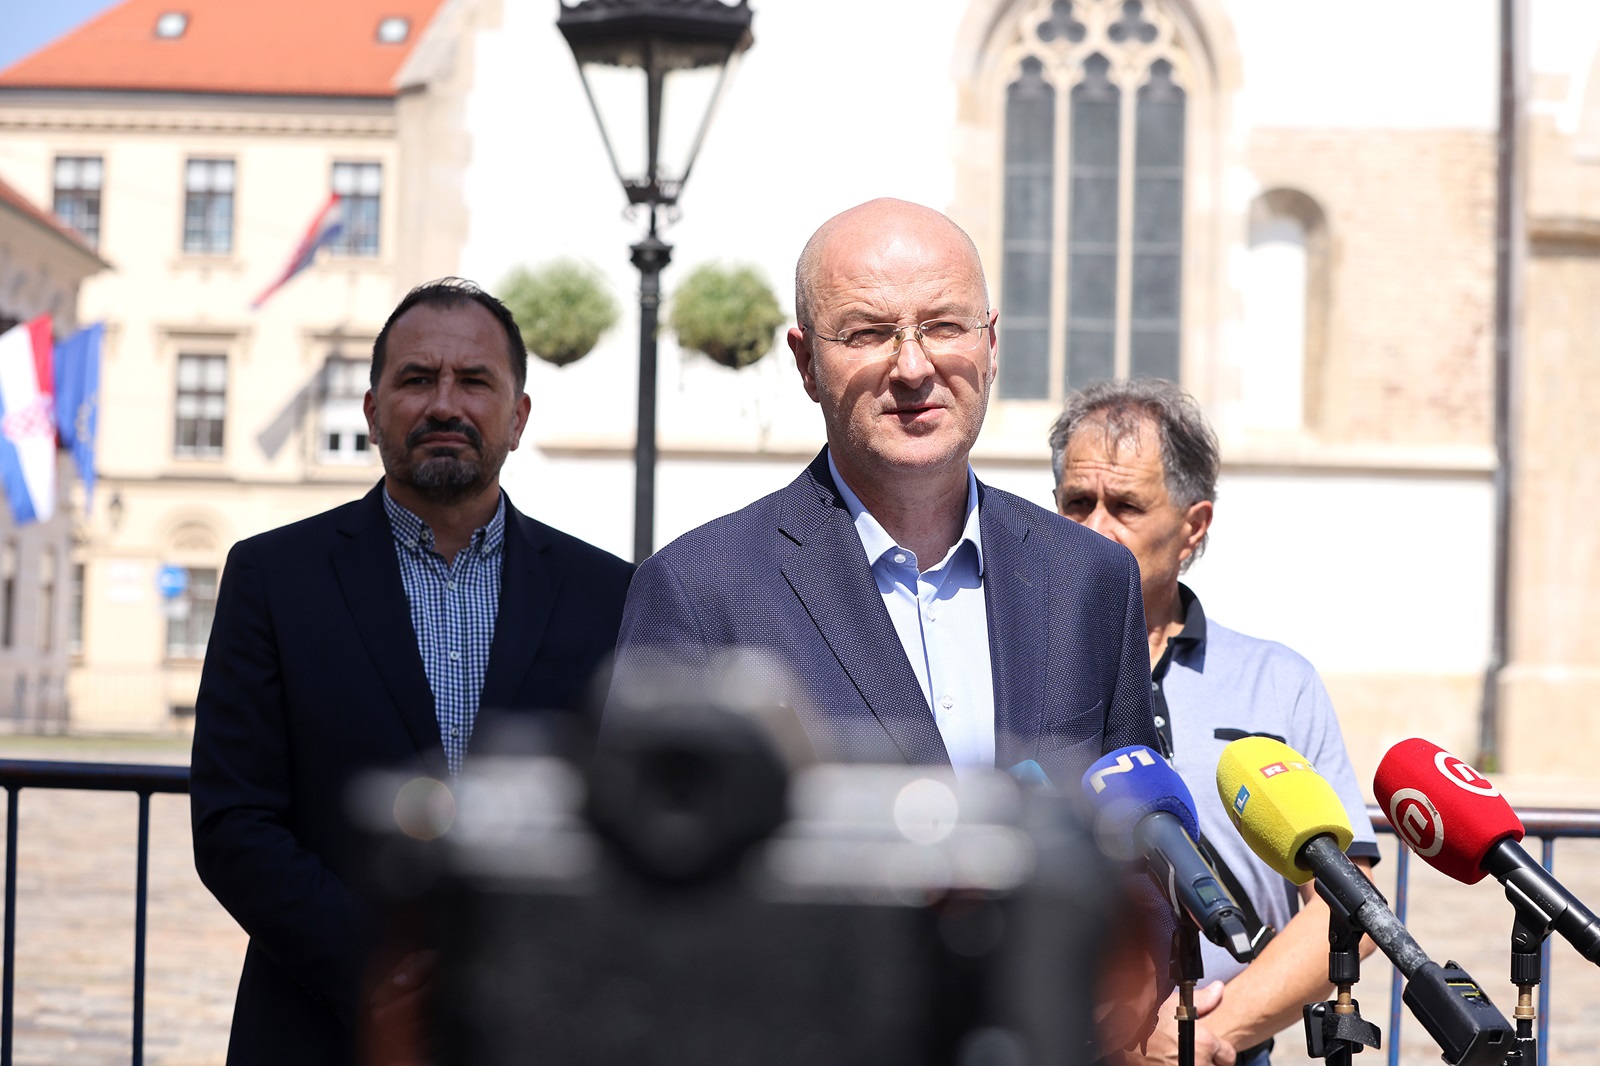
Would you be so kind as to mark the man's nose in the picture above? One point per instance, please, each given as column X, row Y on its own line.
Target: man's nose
column 444, row 400
column 1099, row 520
column 911, row 362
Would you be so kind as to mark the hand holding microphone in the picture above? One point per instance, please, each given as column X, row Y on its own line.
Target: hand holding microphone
column 1455, row 819
column 1292, row 819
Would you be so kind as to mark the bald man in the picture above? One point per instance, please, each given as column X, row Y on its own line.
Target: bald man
column 928, row 618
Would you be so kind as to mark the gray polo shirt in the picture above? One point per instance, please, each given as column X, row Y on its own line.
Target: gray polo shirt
column 1218, row 686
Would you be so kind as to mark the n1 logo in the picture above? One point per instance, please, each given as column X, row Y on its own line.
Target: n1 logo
column 1123, row 765
column 1418, row 821
column 1463, row 776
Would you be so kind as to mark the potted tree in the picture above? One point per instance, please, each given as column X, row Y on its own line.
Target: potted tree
column 562, row 308
column 728, row 313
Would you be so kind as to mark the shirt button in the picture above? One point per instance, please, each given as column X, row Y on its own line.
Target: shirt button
column 454, row 731
column 455, row 655
column 451, row 585
column 947, row 703
column 1160, row 721
column 899, row 557
column 411, row 542
column 1154, row 685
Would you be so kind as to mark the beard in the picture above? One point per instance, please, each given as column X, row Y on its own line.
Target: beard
column 440, row 474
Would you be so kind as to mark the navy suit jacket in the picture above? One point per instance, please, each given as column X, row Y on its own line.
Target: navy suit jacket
column 312, row 675
column 1067, row 642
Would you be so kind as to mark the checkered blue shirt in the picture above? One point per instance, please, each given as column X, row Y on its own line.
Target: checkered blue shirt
column 453, row 609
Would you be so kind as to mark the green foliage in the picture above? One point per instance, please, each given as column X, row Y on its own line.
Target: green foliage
column 562, row 308
column 729, row 313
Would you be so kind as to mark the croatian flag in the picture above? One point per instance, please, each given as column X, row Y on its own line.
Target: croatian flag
column 27, row 421
column 324, row 230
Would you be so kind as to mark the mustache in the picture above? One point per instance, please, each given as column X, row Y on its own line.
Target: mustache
column 454, row 425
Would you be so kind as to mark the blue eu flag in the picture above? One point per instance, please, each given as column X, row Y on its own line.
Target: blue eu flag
column 77, row 373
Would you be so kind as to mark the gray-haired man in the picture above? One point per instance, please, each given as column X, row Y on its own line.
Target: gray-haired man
column 1136, row 462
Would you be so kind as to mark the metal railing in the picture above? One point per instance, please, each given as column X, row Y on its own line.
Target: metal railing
column 1547, row 825
column 143, row 781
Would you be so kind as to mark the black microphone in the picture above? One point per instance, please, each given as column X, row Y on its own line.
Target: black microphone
column 1139, row 795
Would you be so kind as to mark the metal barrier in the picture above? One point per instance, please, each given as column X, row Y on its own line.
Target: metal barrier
column 1547, row 824
column 143, row 781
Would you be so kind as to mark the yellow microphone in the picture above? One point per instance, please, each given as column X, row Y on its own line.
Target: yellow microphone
column 1279, row 803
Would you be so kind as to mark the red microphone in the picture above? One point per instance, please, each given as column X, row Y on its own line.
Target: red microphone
column 1455, row 819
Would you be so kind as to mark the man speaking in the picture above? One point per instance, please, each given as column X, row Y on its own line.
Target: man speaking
column 927, row 617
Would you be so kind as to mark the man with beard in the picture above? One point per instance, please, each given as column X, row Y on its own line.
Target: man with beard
column 374, row 635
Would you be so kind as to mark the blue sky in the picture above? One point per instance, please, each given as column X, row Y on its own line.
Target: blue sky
column 27, row 25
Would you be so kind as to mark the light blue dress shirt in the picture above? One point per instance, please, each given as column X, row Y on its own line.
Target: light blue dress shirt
column 453, row 610
column 939, row 616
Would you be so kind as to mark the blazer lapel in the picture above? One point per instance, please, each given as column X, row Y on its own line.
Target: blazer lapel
column 1016, row 599
column 829, row 573
column 369, row 577
column 527, row 600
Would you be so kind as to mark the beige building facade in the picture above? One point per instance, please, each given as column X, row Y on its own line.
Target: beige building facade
column 42, row 266
column 219, row 420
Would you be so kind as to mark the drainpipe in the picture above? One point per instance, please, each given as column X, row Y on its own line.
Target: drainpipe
column 1509, row 244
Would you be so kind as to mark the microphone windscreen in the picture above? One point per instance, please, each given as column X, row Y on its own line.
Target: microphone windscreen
column 1279, row 802
column 1131, row 782
column 1445, row 811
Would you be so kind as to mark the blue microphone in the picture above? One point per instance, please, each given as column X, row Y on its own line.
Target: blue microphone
column 1140, row 797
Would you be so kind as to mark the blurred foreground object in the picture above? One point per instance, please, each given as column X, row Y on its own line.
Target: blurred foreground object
column 702, row 895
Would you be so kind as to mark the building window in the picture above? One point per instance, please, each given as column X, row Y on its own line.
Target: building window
column 341, row 421
column 202, row 403
column 77, row 202
column 8, row 595
column 189, row 615
column 47, row 600
column 75, row 617
column 359, row 186
column 208, row 207
column 1092, row 238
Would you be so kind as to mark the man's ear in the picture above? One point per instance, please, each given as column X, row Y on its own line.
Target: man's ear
column 804, row 360
column 1198, row 519
column 369, row 407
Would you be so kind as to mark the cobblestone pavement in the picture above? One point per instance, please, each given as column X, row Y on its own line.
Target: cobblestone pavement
column 75, row 932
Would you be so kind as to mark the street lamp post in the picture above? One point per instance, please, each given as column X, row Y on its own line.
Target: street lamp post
column 653, row 71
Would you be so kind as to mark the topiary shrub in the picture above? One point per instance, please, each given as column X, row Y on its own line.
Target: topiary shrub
column 729, row 313
column 562, row 309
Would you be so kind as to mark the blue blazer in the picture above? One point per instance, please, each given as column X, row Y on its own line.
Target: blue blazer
column 312, row 675
column 1067, row 641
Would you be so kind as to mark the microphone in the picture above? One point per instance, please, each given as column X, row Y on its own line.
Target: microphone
column 1139, row 796
column 1292, row 819
column 1457, row 821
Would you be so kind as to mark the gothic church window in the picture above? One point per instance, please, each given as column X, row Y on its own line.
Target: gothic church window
column 1096, row 111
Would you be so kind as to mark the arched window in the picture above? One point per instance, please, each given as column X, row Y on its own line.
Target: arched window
column 1092, row 237
column 1283, row 302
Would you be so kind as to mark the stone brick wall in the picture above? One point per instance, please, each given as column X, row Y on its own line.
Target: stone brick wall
column 1411, row 318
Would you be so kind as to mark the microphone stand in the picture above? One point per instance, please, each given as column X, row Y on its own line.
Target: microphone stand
column 1186, row 970
column 1335, row 1030
column 1528, row 932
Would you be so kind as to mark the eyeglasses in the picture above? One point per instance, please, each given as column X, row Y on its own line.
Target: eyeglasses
column 937, row 336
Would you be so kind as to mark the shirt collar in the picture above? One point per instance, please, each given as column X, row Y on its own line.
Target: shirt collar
column 876, row 540
column 412, row 532
column 1194, row 618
